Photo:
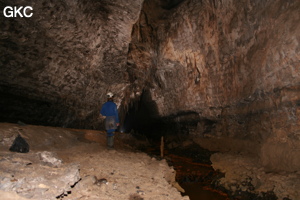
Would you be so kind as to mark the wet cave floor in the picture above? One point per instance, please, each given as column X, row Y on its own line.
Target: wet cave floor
column 194, row 172
column 196, row 176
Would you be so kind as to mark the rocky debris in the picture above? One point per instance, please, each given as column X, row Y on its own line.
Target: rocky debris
column 244, row 174
column 133, row 173
column 19, row 145
column 50, row 159
column 32, row 178
column 81, row 170
column 270, row 166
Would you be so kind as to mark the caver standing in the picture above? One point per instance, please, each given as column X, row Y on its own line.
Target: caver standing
column 110, row 111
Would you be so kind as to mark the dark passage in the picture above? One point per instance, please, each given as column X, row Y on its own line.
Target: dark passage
column 192, row 164
column 143, row 118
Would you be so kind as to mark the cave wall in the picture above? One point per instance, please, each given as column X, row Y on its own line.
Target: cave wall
column 216, row 54
column 57, row 66
column 236, row 63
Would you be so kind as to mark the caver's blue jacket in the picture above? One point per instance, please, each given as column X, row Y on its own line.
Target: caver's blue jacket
column 110, row 109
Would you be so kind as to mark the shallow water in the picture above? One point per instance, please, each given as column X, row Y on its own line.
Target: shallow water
column 197, row 191
column 193, row 177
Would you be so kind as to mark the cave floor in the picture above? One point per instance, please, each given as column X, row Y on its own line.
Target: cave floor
column 102, row 174
column 74, row 164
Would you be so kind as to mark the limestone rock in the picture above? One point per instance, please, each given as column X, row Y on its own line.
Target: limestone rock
column 233, row 64
column 50, row 159
column 34, row 181
column 63, row 59
column 246, row 174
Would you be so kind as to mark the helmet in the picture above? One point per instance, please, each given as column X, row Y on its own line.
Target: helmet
column 110, row 95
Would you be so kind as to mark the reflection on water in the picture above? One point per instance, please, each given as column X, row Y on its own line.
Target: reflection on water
column 196, row 191
column 195, row 179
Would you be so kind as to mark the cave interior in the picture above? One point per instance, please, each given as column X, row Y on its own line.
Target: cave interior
column 225, row 73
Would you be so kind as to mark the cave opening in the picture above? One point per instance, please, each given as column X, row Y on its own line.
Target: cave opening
column 192, row 163
column 17, row 108
column 142, row 118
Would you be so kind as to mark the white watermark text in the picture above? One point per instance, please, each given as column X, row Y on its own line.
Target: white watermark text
column 16, row 11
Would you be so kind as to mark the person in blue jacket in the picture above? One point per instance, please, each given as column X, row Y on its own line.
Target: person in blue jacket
column 110, row 111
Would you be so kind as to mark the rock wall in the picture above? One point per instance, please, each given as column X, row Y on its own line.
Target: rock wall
column 57, row 66
column 236, row 63
column 216, row 54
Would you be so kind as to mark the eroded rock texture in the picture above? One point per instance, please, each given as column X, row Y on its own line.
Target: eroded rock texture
column 57, row 66
column 231, row 65
column 211, row 55
column 235, row 63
